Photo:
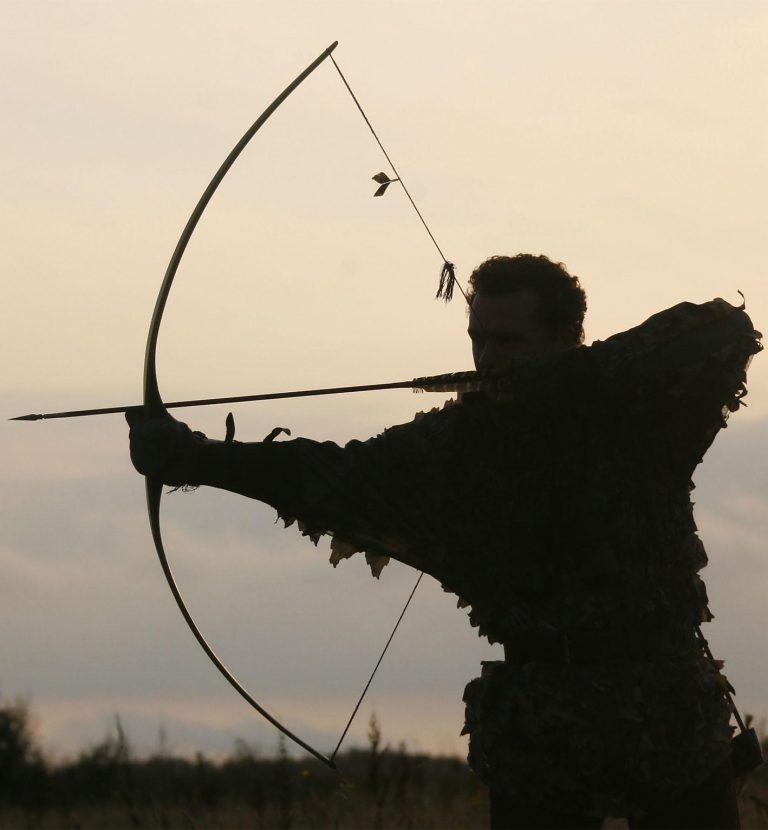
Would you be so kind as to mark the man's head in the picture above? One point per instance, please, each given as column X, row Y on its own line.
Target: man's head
column 523, row 305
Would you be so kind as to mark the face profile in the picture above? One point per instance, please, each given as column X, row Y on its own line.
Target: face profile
column 503, row 327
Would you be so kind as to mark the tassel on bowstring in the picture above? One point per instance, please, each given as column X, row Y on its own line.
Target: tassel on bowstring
column 447, row 282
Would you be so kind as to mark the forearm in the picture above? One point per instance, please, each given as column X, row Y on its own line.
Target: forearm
column 361, row 494
column 271, row 472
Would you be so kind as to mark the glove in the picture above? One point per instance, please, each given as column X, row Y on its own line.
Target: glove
column 164, row 448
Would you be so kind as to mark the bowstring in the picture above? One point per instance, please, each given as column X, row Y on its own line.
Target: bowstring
column 471, row 311
column 399, row 178
column 376, row 668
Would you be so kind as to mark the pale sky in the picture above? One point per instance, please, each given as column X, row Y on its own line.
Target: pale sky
column 626, row 139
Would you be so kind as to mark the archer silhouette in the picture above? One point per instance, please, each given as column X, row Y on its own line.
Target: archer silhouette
column 554, row 501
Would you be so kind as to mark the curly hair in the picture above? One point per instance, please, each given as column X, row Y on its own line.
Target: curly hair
column 562, row 300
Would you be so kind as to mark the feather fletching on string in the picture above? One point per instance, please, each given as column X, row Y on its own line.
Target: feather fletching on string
column 384, row 180
column 447, row 282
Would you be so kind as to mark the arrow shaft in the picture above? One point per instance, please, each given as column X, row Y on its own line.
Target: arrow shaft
column 269, row 396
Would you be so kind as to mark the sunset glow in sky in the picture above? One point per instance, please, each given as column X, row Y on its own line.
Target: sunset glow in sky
column 626, row 139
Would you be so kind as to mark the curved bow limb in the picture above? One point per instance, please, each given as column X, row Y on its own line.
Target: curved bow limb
column 153, row 402
column 154, row 493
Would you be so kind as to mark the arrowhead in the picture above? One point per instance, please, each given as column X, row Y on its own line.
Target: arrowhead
column 26, row 418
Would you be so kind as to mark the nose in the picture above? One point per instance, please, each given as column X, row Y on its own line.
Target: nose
column 486, row 356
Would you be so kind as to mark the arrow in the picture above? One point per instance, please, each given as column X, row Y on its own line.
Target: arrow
column 441, row 383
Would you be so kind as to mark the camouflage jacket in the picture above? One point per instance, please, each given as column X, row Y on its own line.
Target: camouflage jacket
column 556, row 504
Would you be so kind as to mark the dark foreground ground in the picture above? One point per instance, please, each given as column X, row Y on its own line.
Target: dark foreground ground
column 411, row 793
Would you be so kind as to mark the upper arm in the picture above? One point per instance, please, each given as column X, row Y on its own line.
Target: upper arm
column 682, row 372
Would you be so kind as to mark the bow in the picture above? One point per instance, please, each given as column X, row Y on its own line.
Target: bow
column 154, row 408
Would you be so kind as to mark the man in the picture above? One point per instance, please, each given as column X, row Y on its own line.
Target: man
column 554, row 500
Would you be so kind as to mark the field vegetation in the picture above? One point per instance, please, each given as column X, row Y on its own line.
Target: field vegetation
column 107, row 786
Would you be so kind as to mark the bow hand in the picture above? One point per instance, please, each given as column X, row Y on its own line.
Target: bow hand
column 163, row 448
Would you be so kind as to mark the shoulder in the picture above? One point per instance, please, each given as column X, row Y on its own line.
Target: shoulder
column 687, row 332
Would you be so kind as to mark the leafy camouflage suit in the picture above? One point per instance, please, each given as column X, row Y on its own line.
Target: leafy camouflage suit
column 555, row 503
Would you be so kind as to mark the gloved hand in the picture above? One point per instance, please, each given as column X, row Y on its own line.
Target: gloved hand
column 164, row 448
